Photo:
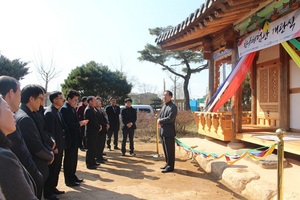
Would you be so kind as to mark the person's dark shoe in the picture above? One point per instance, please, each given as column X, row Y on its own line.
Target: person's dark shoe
column 72, row 184
column 100, row 162
column 78, row 180
column 52, row 197
column 117, row 148
column 91, row 167
column 132, row 154
column 56, row 191
column 164, row 167
column 102, row 159
column 108, row 149
column 122, row 154
column 167, row 169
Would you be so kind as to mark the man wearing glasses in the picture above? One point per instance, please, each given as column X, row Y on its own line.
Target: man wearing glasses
column 42, row 154
column 57, row 128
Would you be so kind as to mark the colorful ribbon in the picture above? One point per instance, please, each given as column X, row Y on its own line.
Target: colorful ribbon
column 292, row 53
column 254, row 154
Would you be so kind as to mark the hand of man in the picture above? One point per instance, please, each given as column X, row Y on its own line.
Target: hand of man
column 83, row 122
column 55, row 151
column 129, row 124
column 51, row 161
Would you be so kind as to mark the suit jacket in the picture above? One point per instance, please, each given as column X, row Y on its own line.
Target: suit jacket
column 167, row 119
column 19, row 148
column 71, row 119
column 94, row 125
column 40, row 152
column 57, row 128
column 48, row 139
column 113, row 117
column 80, row 111
column 102, row 119
column 129, row 115
column 15, row 181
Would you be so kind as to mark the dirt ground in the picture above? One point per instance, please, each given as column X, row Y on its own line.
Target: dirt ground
column 140, row 177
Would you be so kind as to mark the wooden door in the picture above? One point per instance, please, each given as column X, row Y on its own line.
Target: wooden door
column 268, row 94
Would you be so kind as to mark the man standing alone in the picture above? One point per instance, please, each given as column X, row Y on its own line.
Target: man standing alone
column 129, row 117
column 166, row 122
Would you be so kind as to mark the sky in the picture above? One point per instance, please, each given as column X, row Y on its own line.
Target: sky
column 75, row 32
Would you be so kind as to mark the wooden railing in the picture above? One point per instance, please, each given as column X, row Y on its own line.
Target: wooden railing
column 218, row 124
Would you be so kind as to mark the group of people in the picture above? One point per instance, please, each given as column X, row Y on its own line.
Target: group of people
column 33, row 140
column 39, row 139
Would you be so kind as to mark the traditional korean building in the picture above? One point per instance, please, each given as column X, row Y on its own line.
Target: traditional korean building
column 257, row 37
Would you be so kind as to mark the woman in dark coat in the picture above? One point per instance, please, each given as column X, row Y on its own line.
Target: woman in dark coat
column 15, row 181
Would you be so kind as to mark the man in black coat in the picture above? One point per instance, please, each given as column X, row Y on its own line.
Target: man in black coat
column 10, row 90
column 113, row 114
column 129, row 118
column 102, row 135
column 70, row 117
column 58, row 129
column 166, row 122
column 42, row 154
column 80, row 112
column 92, row 132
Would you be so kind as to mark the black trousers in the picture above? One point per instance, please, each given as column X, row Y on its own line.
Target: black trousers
column 109, row 136
column 52, row 180
column 92, row 138
column 70, row 164
column 100, row 145
column 168, row 144
column 82, row 138
column 127, row 132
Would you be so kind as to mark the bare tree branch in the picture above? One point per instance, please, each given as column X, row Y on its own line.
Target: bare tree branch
column 47, row 73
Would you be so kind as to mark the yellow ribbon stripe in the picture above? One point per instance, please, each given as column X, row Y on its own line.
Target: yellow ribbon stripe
column 269, row 152
column 292, row 53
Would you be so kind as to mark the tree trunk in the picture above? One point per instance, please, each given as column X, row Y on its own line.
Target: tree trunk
column 186, row 92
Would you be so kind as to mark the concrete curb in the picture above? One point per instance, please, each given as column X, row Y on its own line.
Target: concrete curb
column 241, row 179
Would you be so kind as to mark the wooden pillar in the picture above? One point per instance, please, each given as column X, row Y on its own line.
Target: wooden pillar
column 207, row 54
column 236, row 105
column 284, row 104
column 253, row 86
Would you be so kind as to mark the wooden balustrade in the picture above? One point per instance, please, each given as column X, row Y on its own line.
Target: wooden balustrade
column 218, row 124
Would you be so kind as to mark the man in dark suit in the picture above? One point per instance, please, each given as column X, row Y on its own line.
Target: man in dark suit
column 113, row 112
column 10, row 90
column 70, row 117
column 129, row 118
column 92, row 132
column 42, row 154
column 166, row 122
column 58, row 129
column 80, row 112
column 102, row 135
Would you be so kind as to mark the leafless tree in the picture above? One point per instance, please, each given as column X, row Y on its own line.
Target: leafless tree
column 146, row 88
column 46, row 72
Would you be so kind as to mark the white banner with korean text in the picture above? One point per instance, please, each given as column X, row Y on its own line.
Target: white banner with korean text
column 281, row 30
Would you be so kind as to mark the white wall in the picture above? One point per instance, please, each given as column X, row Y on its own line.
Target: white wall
column 294, row 98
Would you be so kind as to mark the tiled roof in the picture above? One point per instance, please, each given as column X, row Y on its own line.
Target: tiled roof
column 212, row 17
